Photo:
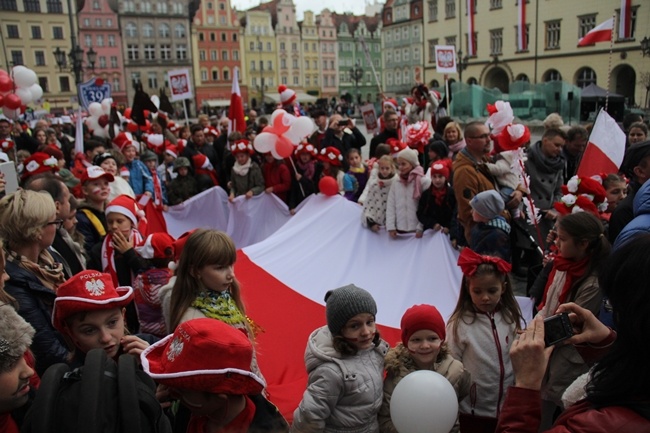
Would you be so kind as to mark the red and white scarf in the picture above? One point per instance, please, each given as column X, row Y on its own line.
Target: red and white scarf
column 157, row 189
column 108, row 253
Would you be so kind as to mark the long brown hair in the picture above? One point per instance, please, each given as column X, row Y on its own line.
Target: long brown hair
column 204, row 247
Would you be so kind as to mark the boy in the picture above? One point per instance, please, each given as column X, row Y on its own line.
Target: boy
column 139, row 177
column 491, row 234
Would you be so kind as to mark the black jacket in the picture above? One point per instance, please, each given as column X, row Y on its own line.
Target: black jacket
column 381, row 138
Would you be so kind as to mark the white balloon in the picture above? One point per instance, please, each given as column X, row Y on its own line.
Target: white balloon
column 24, row 94
column 300, row 128
column 264, row 142
column 95, row 109
column 24, row 77
column 424, row 402
column 37, row 92
column 275, row 113
column 106, row 106
column 11, row 114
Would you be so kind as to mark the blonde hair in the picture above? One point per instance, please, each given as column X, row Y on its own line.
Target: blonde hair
column 24, row 214
column 455, row 126
column 553, row 121
column 389, row 160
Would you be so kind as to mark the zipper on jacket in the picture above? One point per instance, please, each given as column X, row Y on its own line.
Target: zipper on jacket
column 495, row 334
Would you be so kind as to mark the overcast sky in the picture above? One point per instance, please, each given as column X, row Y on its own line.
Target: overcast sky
column 355, row 6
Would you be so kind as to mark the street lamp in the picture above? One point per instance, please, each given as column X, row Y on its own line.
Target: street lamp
column 645, row 46
column 76, row 55
column 356, row 74
column 462, row 64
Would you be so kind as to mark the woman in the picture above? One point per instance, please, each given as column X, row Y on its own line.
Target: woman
column 28, row 225
column 41, row 137
column 618, row 392
column 453, row 137
column 638, row 133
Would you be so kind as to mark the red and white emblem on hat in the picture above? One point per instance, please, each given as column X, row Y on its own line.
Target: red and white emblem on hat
column 175, row 348
column 95, row 287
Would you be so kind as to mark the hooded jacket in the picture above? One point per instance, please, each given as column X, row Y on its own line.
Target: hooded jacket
column 641, row 222
column 344, row 393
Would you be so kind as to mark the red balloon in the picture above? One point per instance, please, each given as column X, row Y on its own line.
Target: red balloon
column 103, row 120
column 283, row 146
column 132, row 127
column 147, row 113
column 328, row 186
column 127, row 113
column 12, row 101
column 6, row 84
column 2, row 99
column 3, row 72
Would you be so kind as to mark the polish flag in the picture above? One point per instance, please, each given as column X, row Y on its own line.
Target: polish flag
column 606, row 148
column 601, row 33
column 625, row 20
column 236, row 111
column 471, row 48
column 522, row 43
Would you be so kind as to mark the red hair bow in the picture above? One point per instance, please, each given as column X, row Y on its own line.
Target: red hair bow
column 469, row 261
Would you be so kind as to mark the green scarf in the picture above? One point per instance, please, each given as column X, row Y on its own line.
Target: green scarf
column 220, row 306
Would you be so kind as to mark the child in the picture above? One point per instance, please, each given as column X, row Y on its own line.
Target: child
column 108, row 161
column 277, row 177
column 90, row 312
column 582, row 249
column 246, row 178
column 166, row 168
column 206, row 285
column 159, row 188
column 85, row 159
column 139, row 177
column 90, row 214
column 373, row 168
column 331, row 159
column 616, row 189
column 480, row 332
column 204, row 172
column 345, row 363
column 303, row 180
column 491, row 234
column 374, row 206
column 423, row 347
column 206, row 364
column 404, row 195
column 359, row 171
column 437, row 206
column 184, row 186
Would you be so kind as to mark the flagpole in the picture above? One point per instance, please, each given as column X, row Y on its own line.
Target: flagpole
column 296, row 171
column 609, row 66
column 447, row 94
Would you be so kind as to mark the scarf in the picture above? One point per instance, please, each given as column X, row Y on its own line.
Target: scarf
column 546, row 164
column 157, row 190
column 385, row 182
column 108, row 253
column 572, row 271
column 48, row 272
column 439, row 194
column 220, row 306
column 414, row 176
column 307, row 169
column 242, row 170
column 455, row 148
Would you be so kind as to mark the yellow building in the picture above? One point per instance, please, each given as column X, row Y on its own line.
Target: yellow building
column 310, row 52
column 259, row 62
column 553, row 30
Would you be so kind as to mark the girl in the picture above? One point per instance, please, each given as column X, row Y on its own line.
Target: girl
column 109, row 162
column 404, row 195
column 359, row 171
column 206, row 285
column 331, row 159
column 277, row 177
column 303, row 180
column 345, row 363
column 638, row 133
column 437, row 206
column 374, row 207
column 423, row 347
column 246, row 178
column 616, row 189
column 480, row 332
column 582, row 249
column 89, row 311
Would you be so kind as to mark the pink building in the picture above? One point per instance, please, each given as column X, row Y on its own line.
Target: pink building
column 328, row 53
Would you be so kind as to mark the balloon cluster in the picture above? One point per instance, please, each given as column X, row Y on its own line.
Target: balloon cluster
column 283, row 134
column 18, row 90
column 98, row 120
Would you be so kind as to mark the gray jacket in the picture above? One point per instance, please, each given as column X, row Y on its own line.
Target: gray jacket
column 343, row 394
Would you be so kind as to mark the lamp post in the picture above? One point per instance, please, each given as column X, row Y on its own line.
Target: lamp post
column 76, row 56
column 259, row 47
column 462, row 64
column 356, row 74
column 645, row 46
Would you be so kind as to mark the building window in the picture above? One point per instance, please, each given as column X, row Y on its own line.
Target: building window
column 496, row 42
column 42, row 81
column 163, row 30
column 162, row 7
column 215, row 75
column 181, row 52
column 165, row 52
column 131, row 30
column 213, row 55
column 495, row 4
column 88, row 40
column 295, row 81
column 39, row 58
column 32, row 5
column 36, row 32
column 152, row 79
column 416, row 55
column 586, row 23
column 234, row 37
column 145, row 7
column 224, row 55
column 450, row 40
column 149, row 52
column 204, row 75
column 294, row 64
column 235, row 54
column 252, row 68
column 307, row 81
column 269, row 65
column 12, row 31
column 100, row 40
column 57, row 32
column 116, row 84
column 102, row 62
column 284, row 81
column 17, row 57
column 111, row 40
column 226, row 74
column 128, row 6
column 147, row 30
column 109, row 22
column 586, row 76
column 283, row 64
column 268, row 46
column 202, row 56
column 179, row 30
column 450, row 12
column 294, row 47
column 113, row 61
column 98, row 22
column 552, row 35
column 54, row 7
column 325, row 65
column 282, row 46
column 522, row 77
column 133, row 52
column 552, row 75
column 406, row 55
column 8, row 5
column 64, row 84
column 135, row 78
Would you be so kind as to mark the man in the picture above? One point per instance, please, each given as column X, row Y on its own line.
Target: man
column 391, row 122
column 545, row 167
column 321, row 120
column 65, row 142
column 252, row 118
column 344, row 135
column 198, row 144
column 573, row 149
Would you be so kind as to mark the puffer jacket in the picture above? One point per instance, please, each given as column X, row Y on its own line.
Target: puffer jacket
column 641, row 222
column 343, row 393
column 399, row 364
column 402, row 208
column 140, row 178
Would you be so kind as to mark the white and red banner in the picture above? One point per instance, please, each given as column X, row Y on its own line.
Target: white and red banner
column 236, row 110
column 471, row 48
column 601, row 33
column 180, row 84
column 625, row 20
column 445, row 59
column 522, row 41
column 370, row 118
column 605, row 149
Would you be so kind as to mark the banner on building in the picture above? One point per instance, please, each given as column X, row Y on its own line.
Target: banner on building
column 370, row 118
column 445, row 59
column 180, row 84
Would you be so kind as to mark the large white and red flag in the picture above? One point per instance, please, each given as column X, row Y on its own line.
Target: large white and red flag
column 471, row 48
column 236, row 111
column 601, row 33
column 606, row 148
column 522, row 42
column 625, row 20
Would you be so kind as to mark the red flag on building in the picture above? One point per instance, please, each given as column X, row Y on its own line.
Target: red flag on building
column 236, row 111
column 601, row 33
column 471, row 48
column 625, row 20
column 606, row 148
column 522, row 41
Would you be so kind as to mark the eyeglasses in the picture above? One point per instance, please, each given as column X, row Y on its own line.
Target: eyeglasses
column 57, row 223
column 483, row 136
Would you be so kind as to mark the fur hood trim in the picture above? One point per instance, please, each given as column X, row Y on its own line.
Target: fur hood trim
column 398, row 359
column 15, row 335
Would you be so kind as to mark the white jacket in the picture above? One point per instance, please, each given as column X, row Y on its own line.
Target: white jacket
column 401, row 209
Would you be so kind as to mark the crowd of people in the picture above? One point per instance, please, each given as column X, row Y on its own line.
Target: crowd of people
column 81, row 270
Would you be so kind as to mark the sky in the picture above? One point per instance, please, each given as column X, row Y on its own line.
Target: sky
column 340, row 6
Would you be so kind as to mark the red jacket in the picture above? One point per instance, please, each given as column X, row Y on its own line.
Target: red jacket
column 277, row 175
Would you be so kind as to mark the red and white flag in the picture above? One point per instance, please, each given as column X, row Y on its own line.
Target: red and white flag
column 236, row 111
column 625, row 20
column 522, row 42
column 606, row 147
column 471, row 48
column 601, row 33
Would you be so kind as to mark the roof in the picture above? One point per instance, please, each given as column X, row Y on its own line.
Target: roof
column 353, row 21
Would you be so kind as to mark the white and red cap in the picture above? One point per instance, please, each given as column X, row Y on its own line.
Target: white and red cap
column 211, row 130
column 200, row 161
column 155, row 140
column 159, row 245
column 307, row 148
column 39, row 162
column 7, row 144
column 95, row 172
column 127, row 206
column 390, row 102
column 396, row 146
column 287, row 96
column 124, row 140
column 512, row 137
column 242, row 146
column 332, row 155
column 171, row 150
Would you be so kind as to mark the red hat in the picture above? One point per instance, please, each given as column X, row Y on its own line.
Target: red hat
column 180, row 145
column 54, row 151
column 420, row 317
column 201, row 161
column 242, row 146
column 171, row 150
column 332, row 155
column 159, row 245
column 40, row 162
column 396, row 146
column 287, row 96
column 438, row 167
column 417, row 135
column 204, row 355
column 179, row 244
column 173, row 126
column 392, row 103
column 7, row 144
column 211, row 130
column 582, row 194
column 124, row 140
column 127, row 206
column 307, row 148
column 95, row 172
column 512, row 137
column 87, row 291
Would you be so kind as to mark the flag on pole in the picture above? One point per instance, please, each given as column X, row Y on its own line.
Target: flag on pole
column 79, row 133
column 471, row 48
column 625, row 20
column 601, row 33
column 606, row 148
column 236, row 111
column 522, row 42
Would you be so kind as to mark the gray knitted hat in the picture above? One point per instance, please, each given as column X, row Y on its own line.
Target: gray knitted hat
column 488, row 204
column 15, row 336
column 411, row 155
column 344, row 303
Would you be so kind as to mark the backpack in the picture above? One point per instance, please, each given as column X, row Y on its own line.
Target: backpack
column 101, row 397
